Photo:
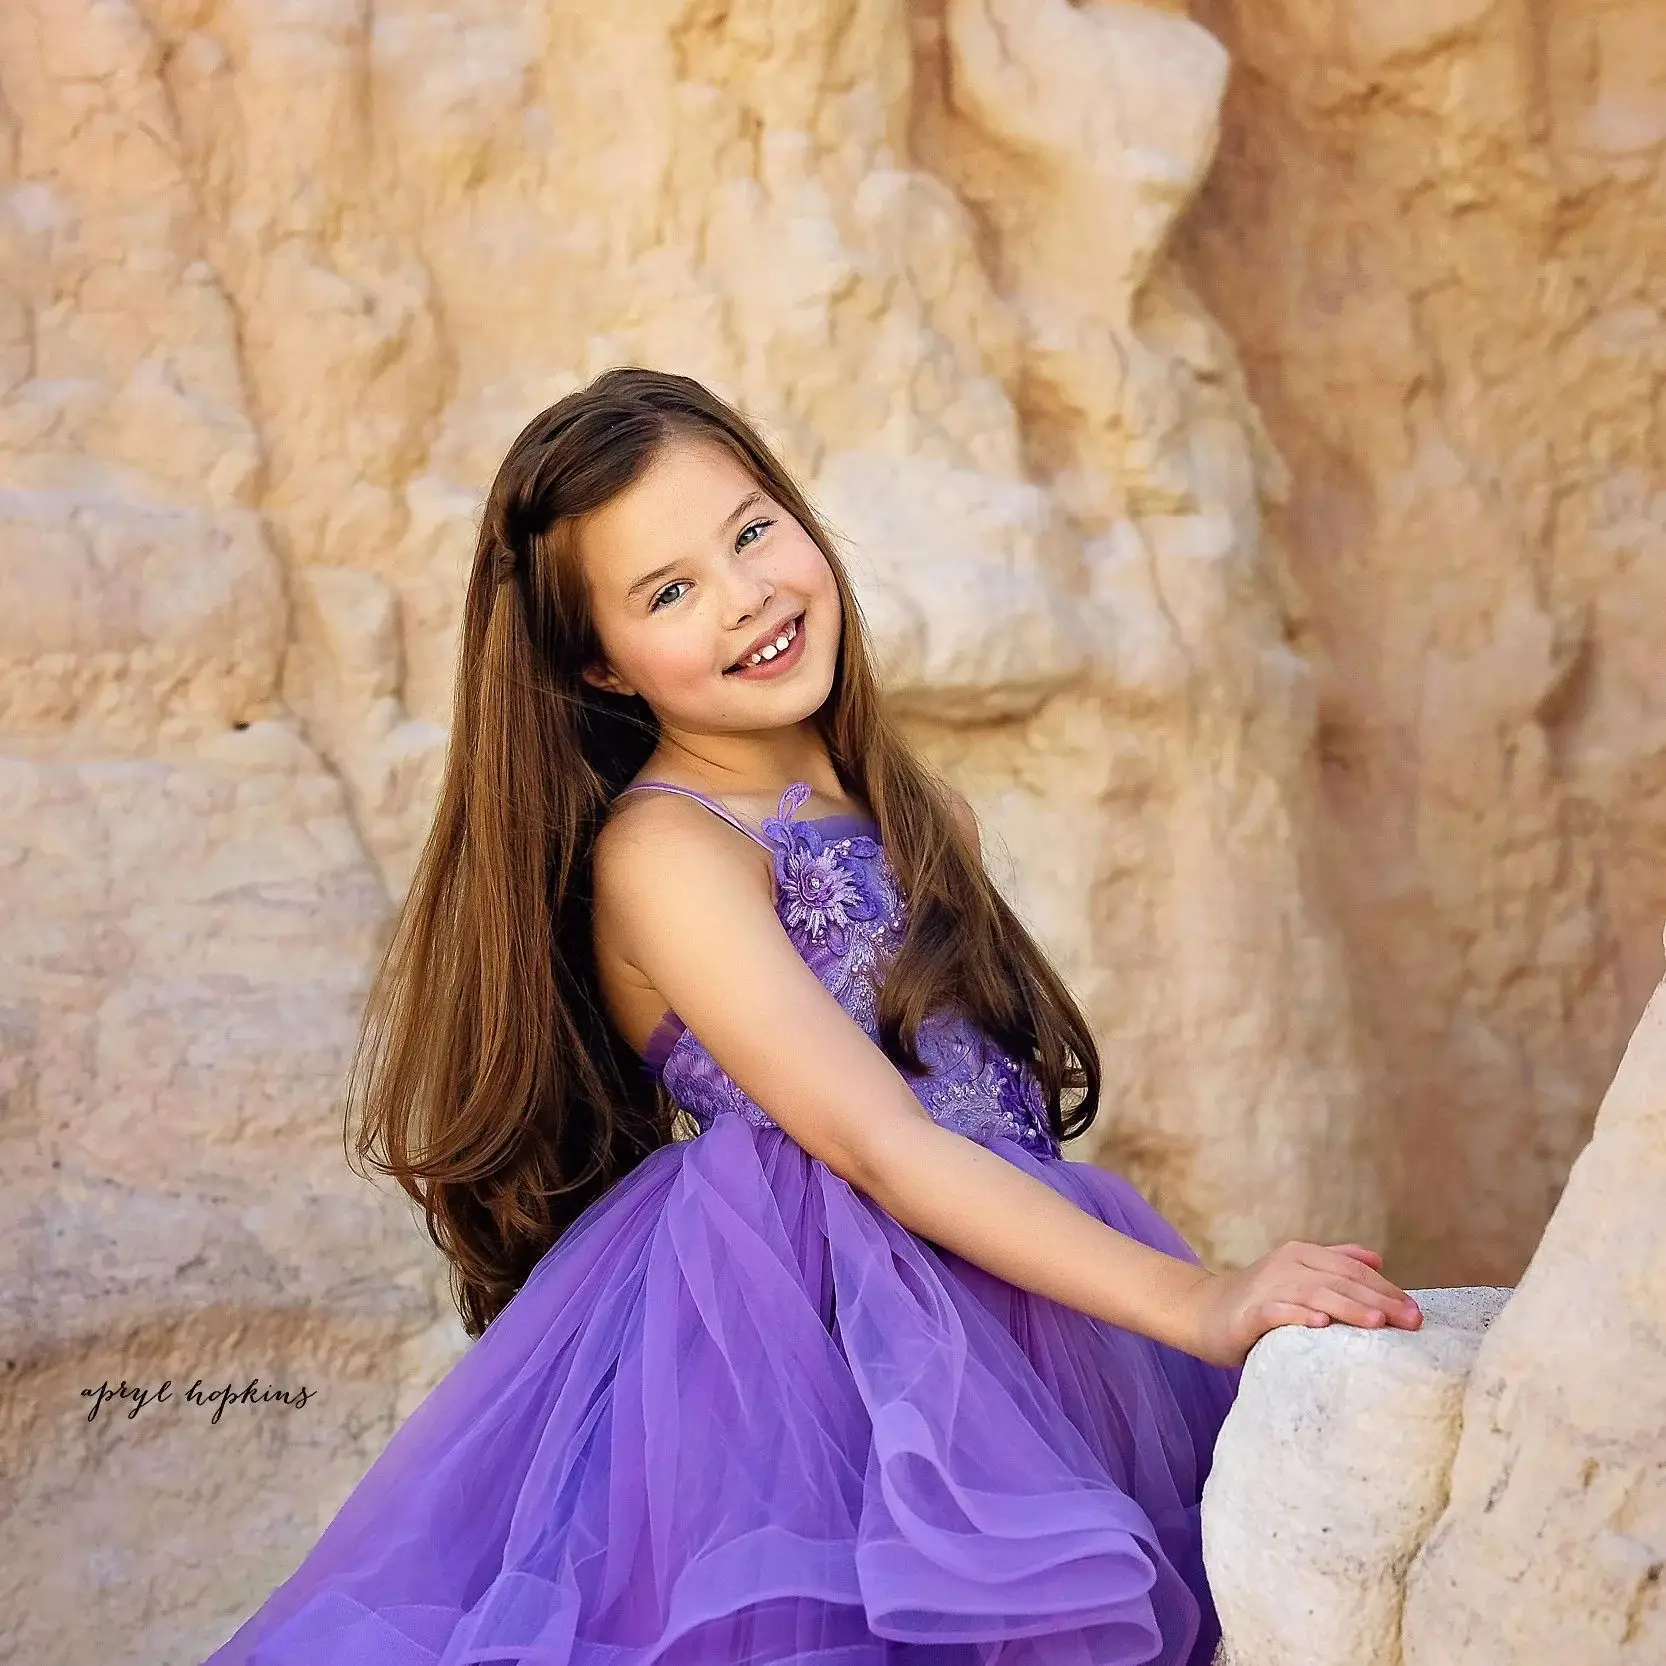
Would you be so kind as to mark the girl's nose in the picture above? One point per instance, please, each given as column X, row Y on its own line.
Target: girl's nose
column 753, row 607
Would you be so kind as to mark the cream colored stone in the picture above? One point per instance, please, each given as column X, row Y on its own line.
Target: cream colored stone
column 124, row 620
column 279, row 285
column 1446, row 1497
column 188, row 942
column 343, row 675
column 1435, row 229
column 959, row 576
column 1552, row 1544
column 1329, row 1472
column 1079, row 134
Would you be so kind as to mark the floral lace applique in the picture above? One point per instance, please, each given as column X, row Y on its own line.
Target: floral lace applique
column 815, row 889
column 839, row 902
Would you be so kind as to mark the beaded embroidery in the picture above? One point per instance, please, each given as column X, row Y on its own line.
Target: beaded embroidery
column 840, row 903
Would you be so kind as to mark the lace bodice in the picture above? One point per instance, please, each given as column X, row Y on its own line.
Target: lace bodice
column 840, row 904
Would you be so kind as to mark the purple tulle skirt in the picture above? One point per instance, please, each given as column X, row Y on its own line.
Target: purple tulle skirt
column 740, row 1415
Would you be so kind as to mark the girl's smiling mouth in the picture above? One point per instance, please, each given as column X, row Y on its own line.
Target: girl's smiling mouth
column 777, row 659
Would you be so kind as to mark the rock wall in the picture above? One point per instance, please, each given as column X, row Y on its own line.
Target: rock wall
column 1176, row 763
column 1488, row 1489
column 1330, row 1471
column 1552, row 1543
column 1437, row 233
column 279, row 281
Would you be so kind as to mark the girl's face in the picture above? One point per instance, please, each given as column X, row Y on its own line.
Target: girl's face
column 688, row 569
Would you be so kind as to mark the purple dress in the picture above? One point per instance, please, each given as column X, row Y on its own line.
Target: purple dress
column 738, row 1414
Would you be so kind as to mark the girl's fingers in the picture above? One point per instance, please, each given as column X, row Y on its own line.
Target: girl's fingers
column 1337, row 1254
column 1345, row 1308
column 1293, row 1313
column 1368, row 1297
column 1345, row 1267
column 1369, row 1313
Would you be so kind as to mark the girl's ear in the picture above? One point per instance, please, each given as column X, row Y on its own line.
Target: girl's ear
column 964, row 814
column 598, row 676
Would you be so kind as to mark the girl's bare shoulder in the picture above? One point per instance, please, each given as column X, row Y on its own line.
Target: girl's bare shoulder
column 653, row 846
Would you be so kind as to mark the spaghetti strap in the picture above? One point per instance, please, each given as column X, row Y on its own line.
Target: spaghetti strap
column 710, row 803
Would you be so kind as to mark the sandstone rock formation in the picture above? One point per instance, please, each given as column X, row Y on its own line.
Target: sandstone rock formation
column 1437, row 233
column 1329, row 1473
column 1486, row 1490
column 1195, row 730
column 1552, row 1546
column 280, row 281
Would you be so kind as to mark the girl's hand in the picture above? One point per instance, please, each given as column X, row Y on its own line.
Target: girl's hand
column 1296, row 1284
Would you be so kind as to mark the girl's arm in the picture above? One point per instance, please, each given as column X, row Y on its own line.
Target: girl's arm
column 691, row 907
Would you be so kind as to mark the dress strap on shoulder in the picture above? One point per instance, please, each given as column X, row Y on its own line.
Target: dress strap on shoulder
column 700, row 798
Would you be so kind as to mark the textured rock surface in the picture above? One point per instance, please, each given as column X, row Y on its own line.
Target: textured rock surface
column 1552, row 1547
column 1328, row 1474
column 1487, row 1490
column 1170, row 787
column 187, row 939
column 277, row 287
column 280, row 281
column 1437, row 232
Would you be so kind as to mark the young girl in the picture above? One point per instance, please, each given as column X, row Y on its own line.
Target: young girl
column 864, row 1372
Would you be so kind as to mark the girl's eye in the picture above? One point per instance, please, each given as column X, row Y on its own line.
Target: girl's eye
column 757, row 525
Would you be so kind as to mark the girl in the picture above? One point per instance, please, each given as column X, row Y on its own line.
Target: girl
column 864, row 1372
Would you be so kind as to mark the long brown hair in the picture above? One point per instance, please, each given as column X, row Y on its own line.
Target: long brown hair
column 489, row 1079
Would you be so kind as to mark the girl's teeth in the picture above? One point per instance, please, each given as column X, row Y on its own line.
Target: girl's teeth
column 778, row 646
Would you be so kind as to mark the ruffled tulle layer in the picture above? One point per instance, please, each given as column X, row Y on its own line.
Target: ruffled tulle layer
column 740, row 1415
